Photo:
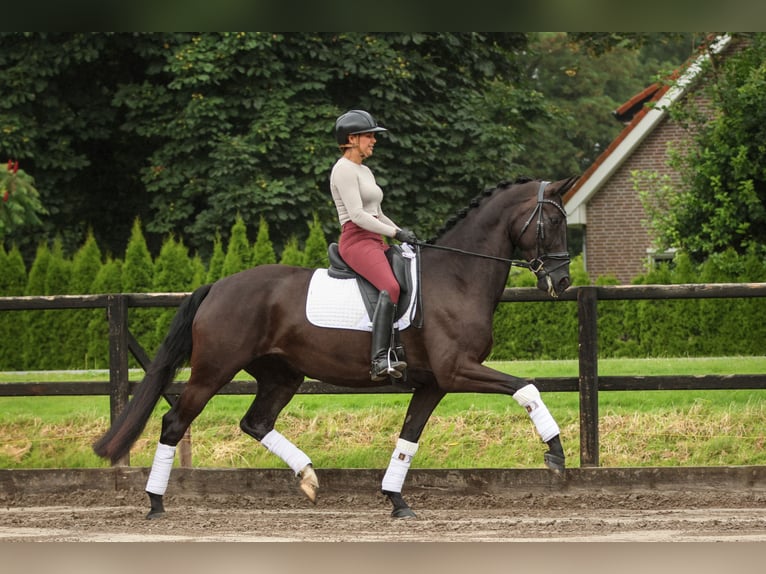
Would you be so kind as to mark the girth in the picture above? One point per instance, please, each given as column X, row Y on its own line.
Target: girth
column 400, row 265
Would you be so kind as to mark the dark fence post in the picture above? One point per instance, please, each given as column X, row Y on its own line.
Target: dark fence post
column 119, row 381
column 587, row 312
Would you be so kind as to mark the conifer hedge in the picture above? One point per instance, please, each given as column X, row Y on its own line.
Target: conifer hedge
column 77, row 339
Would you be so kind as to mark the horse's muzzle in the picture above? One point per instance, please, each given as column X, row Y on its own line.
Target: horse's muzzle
column 552, row 274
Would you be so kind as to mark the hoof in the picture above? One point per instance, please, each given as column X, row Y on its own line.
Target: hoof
column 401, row 508
column 309, row 483
column 406, row 512
column 554, row 462
column 157, row 507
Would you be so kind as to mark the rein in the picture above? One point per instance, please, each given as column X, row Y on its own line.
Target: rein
column 536, row 264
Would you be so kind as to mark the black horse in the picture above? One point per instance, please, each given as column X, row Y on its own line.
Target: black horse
column 255, row 321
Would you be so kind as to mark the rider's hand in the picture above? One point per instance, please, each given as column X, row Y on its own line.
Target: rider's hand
column 406, row 236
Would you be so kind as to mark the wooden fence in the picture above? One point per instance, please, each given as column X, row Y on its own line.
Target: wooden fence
column 587, row 384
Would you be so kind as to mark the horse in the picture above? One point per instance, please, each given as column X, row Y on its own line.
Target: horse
column 254, row 321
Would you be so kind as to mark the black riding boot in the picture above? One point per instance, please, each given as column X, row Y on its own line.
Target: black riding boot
column 384, row 364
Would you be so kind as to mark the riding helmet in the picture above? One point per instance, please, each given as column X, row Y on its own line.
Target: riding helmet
column 355, row 122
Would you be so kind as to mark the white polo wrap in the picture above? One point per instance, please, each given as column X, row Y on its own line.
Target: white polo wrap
column 400, row 462
column 277, row 444
column 529, row 398
column 161, row 467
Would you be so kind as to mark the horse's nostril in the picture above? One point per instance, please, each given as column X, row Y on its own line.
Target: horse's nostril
column 564, row 284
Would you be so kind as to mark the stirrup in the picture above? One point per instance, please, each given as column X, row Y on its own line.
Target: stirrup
column 380, row 371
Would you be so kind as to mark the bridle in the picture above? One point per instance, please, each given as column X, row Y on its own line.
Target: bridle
column 536, row 265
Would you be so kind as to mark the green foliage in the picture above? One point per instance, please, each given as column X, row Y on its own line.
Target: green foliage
column 13, row 279
column 315, row 250
column 138, row 277
column 238, row 252
column 85, row 267
column 13, row 273
column 723, row 203
column 215, row 267
column 20, row 206
column 642, row 328
column 108, row 280
column 292, row 254
column 263, row 250
column 173, row 273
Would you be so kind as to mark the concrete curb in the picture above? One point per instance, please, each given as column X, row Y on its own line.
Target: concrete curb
column 200, row 482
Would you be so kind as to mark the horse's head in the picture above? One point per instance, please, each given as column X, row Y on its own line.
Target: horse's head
column 542, row 235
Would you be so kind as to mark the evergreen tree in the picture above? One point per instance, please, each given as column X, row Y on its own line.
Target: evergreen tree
column 108, row 280
column 137, row 277
column 33, row 322
column 54, row 350
column 198, row 272
column 86, row 264
column 238, row 252
column 263, row 250
column 215, row 268
column 13, row 277
column 291, row 254
column 173, row 273
column 315, row 251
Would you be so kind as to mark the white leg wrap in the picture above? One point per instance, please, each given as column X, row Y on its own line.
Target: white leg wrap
column 287, row 451
column 399, row 465
column 161, row 467
column 529, row 398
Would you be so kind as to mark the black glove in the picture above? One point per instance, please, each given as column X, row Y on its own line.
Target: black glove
column 406, row 236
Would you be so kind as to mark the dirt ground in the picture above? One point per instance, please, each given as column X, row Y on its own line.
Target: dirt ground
column 576, row 517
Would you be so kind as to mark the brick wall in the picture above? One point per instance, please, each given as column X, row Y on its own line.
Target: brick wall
column 616, row 240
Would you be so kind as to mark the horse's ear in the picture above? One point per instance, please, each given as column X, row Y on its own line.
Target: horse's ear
column 565, row 185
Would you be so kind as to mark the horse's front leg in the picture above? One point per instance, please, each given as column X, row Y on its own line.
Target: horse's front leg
column 477, row 378
column 424, row 401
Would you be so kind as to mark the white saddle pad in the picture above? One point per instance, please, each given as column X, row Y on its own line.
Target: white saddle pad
column 338, row 304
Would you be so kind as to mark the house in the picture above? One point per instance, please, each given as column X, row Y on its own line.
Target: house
column 604, row 203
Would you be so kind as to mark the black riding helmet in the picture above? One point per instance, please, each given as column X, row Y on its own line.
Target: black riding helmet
column 355, row 122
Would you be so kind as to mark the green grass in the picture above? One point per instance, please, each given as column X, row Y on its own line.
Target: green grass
column 637, row 428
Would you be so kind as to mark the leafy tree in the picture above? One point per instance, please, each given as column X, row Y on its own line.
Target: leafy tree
column 263, row 250
column 723, row 202
column 59, row 120
column 20, row 206
column 185, row 130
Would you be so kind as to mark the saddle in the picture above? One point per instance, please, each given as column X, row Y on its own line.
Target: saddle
column 400, row 265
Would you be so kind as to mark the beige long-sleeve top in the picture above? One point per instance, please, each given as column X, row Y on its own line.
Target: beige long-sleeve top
column 358, row 197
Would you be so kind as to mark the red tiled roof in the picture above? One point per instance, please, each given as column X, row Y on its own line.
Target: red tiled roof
column 657, row 92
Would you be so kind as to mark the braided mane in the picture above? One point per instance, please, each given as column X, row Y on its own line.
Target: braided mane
column 475, row 202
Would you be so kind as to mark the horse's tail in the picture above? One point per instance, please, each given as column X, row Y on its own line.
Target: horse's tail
column 174, row 351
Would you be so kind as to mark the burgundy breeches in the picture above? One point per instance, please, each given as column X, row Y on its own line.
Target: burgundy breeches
column 365, row 252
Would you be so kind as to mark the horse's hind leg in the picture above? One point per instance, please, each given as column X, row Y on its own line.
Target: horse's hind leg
column 277, row 384
column 175, row 422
